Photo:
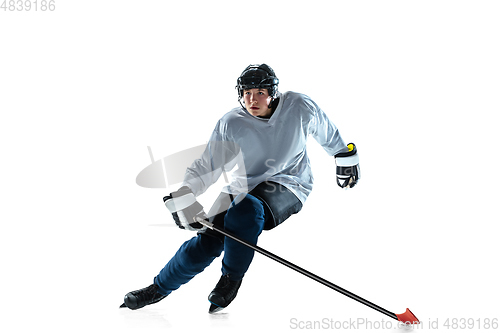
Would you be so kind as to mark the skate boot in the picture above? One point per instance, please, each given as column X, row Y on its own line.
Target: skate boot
column 140, row 298
column 223, row 294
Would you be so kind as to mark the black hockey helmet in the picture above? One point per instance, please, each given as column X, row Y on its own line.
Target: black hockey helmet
column 258, row 76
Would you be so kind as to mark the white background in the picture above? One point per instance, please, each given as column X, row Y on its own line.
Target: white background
column 86, row 88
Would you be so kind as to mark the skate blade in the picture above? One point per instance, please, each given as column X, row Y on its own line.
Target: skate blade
column 214, row 308
column 123, row 306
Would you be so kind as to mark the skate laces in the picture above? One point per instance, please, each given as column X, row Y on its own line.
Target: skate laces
column 227, row 283
column 147, row 293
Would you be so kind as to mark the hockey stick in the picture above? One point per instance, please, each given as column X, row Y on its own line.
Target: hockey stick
column 407, row 317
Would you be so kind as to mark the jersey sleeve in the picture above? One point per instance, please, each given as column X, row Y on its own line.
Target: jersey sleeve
column 324, row 131
column 218, row 156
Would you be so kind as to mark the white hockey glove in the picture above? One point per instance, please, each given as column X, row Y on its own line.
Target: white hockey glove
column 348, row 172
column 185, row 209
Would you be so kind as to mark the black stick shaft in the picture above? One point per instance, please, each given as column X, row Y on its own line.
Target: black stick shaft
column 304, row 272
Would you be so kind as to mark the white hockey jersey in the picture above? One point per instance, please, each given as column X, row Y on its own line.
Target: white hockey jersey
column 272, row 149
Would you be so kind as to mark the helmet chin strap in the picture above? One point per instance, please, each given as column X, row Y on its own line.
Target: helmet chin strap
column 274, row 101
column 239, row 100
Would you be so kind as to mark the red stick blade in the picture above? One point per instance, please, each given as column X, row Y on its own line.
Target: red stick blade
column 408, row 317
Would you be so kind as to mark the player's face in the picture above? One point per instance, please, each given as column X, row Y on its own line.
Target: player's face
column 257, row 102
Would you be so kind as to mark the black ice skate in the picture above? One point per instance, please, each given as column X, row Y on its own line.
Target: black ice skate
column 223, row 294
column 140, row 298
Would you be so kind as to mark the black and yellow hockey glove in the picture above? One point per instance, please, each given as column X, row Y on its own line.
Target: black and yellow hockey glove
column 348, row 172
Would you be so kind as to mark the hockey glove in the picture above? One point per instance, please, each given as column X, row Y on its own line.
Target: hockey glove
column 185, row 209
column 348, row 172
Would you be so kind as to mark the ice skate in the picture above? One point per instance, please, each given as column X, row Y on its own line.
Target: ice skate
column 223, row 294
column 140, row 298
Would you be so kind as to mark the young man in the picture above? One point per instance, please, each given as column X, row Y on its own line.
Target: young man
column 266, row 139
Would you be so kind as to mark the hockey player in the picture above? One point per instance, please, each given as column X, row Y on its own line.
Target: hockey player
column 266, row 138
